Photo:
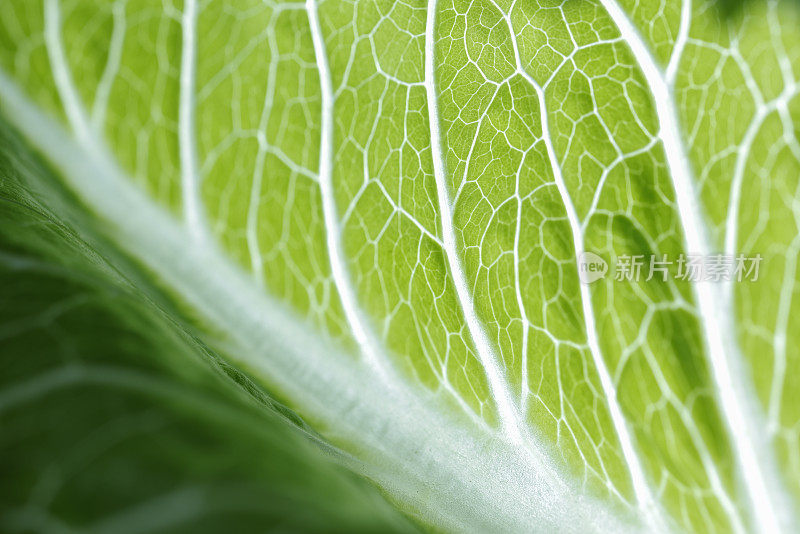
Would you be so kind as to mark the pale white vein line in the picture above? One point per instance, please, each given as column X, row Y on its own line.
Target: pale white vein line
column 779, row 339
column 716, row 319
column 190, row 177
column 641, row 488
column 352, row 312
column 787, row 290
column 697, row 440
column 402, row 211
column 731, row 245
column 111, row 69
column 743, row 153
column 512, row 426
column 67, row 92
column 598, row 193
column 468, row 161
column 254, row 249
column 286, row 160
column 524, row 387
column 680, row 42
column 782, row 321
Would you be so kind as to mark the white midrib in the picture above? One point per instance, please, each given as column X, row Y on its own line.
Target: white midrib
column 187, row 142
column 511, row 420
column 405, row 443
column 715, row 319
column 641, row 487
column 333, row 229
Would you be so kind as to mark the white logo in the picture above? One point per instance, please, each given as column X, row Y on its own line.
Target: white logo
column 591, row 267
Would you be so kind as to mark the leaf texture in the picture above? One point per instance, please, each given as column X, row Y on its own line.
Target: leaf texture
column 410, row 184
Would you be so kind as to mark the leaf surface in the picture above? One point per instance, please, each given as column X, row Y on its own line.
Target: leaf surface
column 383, row 202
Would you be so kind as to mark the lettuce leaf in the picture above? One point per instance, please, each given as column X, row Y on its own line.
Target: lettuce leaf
column 376, row 209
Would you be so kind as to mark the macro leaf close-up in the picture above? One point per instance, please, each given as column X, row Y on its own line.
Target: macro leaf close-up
column 399, row 266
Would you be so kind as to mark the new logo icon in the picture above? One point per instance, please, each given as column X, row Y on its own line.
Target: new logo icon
column 591, row 267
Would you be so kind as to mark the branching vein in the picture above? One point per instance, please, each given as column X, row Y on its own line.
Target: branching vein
column 512, row 425
column 716, row 319
column 361, row 331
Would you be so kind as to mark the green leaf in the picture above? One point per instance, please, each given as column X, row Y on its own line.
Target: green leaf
column 375, row 209
column 116, row 418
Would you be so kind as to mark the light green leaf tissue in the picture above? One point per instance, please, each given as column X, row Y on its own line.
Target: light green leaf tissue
column 370, row 266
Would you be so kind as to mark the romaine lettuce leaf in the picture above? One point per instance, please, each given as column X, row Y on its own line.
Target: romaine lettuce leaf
column 376, row 209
